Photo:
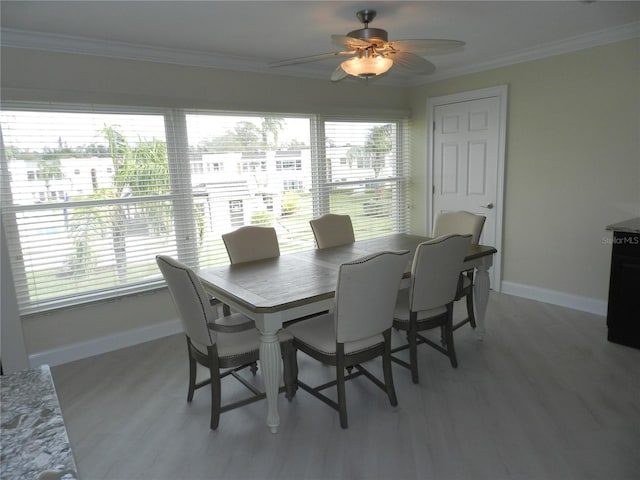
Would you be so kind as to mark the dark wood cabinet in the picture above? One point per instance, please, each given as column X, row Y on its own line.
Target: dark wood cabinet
column 623, row 313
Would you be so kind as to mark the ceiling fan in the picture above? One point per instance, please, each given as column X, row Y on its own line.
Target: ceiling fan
column 372, row 54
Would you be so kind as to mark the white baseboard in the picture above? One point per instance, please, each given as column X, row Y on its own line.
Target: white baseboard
column 78, row 351
column 576, row 302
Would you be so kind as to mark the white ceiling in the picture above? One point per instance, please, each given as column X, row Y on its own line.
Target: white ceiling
column 248, row 35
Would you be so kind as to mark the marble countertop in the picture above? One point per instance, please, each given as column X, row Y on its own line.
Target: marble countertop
column 631, row 226
column 34, row 438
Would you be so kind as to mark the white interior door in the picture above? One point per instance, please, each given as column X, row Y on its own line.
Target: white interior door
column 467, row 166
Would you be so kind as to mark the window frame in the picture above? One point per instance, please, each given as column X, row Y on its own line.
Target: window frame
column 181, row 166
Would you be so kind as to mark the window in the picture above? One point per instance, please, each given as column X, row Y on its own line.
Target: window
column 85, row 222
column 197, row 168
column 288, row 160
column 292, row 185
column 268, row 202
column 101, row 233
column 215, row 167
column 375, row 197
column 236, row 213
column 364, row 162
column 288, row 165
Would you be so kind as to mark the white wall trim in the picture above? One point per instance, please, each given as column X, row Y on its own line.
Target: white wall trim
column 569, row 300
column 81, row 350
column 109, row 343
column 550, row 49
column 14, row 352
column 59, row 43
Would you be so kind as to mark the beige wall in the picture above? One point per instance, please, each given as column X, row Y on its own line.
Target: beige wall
column 572, row 167
column 35, row 75
column 572, row 162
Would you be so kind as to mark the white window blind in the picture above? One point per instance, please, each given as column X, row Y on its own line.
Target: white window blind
column 256, row 170
column 86, row 201
column 366, row 175
column 91, row 196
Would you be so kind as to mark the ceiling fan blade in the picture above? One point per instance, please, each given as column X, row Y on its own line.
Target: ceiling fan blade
column 311, row 58
column 425, row 45
column 349, row 42
column 412, row 62
column 338, row 74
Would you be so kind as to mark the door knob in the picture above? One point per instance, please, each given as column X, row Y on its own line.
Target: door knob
column 488, row 205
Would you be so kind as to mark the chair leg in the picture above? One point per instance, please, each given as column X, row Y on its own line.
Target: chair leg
column 342, row 397
column 192, row 374
column 448, row 335
column 214, row 371
column 386, row 369
column 413, row 347
column 470, row 313
column 290, row 369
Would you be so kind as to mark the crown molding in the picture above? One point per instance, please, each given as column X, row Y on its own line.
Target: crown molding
column 104, row 48
column 574, row 44
column 58, row 43
column 87, row 46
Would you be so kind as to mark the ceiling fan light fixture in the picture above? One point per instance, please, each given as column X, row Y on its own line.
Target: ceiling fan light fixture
column 366, row 67
column 374, row 55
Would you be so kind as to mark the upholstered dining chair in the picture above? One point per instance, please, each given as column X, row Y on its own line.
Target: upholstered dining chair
column 251, row 243
column 229, row 343
column 428, row 302
column 331, row 230
column 358, row 328
column 462, row 223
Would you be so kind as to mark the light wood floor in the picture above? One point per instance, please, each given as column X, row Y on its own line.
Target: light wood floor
column 545, row 396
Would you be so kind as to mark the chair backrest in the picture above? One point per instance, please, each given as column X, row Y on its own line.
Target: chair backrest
column 435, row 270
column 190, row 299
column 250, row 243
column 366, row 295
column 461, row 222
column 332, row 230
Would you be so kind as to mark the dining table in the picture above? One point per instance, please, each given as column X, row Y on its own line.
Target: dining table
column 295, row 285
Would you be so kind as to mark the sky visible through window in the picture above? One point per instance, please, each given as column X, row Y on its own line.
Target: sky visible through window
column 35, row 131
